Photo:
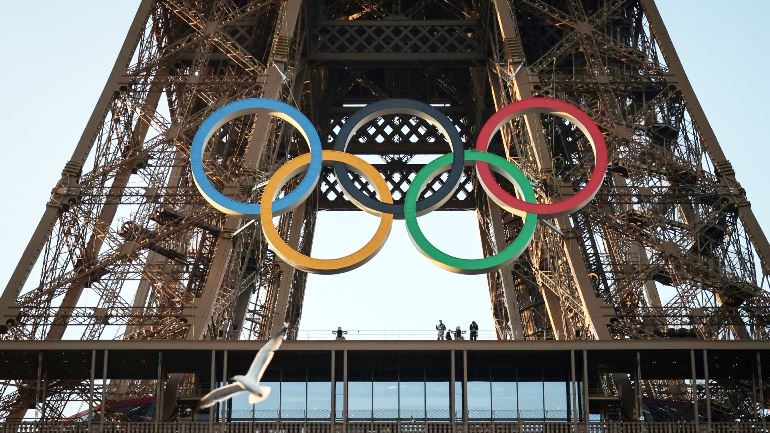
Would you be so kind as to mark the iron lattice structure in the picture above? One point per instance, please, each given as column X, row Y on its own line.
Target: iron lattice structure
column 127, row 248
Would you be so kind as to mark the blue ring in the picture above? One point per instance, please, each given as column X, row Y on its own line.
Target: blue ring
column 248, row 106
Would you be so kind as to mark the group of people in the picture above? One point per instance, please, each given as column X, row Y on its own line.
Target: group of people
column 444, row 334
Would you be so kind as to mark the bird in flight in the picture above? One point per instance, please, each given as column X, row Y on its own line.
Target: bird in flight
column 250, row 381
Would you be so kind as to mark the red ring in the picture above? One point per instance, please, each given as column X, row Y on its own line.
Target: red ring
column 548, row 106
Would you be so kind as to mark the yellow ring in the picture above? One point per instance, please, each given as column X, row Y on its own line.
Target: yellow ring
column 325, row 266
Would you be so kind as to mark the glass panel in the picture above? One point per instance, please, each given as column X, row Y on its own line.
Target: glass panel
column 339, row 401
column 555, row 400
column 437, row 399
column 319, row 400
column 531, row 400
column 293, row 400
column 385, row 400
column 412, row 397
column 479, row 400
column 360, row 400
column 459, row 400
column 268, row 408
column 504, row 400
column 241, row 410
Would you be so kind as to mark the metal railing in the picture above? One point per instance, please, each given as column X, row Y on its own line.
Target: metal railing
column 385, row 427
column 384, row 334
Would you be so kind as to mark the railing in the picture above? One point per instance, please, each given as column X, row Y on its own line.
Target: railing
column 385, row 427
column 380, row 334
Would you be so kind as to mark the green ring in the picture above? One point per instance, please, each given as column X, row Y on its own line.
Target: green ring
column 456, row 264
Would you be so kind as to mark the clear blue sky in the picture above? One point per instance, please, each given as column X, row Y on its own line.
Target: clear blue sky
column 57, row 56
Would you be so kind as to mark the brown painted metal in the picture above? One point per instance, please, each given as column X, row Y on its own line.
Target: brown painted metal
column 663, row 218
column 74, row 166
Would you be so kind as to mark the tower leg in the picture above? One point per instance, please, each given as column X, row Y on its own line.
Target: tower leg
column 71, row 172
column 201, row 311
column 287, row 271
column 506, row 274
column 109, row 210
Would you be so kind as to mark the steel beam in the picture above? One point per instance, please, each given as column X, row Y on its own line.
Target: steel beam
column 108, row 211
column 202, row 308
column 48, row 220
column 287, row 271
column 506, row 273
column 522, row 87
column 709, row 142
column 553, row 308
column 682, row 82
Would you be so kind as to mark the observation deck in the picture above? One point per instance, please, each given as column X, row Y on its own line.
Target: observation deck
column 388, row 386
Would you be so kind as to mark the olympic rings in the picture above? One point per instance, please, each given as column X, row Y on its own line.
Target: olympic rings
column 232, row 110
column 470, row 266
column 325, row 266
column 414, row 108
column 524, row 206
column 557, row 108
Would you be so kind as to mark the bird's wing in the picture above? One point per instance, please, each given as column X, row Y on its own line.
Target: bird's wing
column 219, row 394
column 265, row 355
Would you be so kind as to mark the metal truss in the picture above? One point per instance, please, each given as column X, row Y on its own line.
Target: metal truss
column 127, row 248
column 362, row 40
column 398, row 176
column 670, row 218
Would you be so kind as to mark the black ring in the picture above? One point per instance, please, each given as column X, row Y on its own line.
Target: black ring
column 414, row 108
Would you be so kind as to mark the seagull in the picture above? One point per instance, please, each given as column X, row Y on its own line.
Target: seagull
column 250, row 381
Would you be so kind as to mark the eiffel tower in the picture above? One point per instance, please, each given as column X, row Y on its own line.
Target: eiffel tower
column 127, row 243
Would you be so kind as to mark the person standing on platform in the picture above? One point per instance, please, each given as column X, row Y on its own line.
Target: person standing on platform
column 440, row 328
column 458, row 333
column 474, row 330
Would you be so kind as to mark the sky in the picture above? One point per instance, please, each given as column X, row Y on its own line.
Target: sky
column 57, row 56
